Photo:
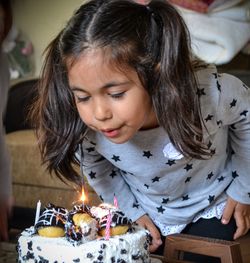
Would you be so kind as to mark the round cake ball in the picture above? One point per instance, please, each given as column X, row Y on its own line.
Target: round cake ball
column 80, row 227
column 51, row 222
column 120, row 224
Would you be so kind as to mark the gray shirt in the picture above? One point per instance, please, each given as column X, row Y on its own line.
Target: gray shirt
column 148, row 176
column 5, row 176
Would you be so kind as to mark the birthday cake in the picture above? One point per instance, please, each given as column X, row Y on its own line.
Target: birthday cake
column 84, row 234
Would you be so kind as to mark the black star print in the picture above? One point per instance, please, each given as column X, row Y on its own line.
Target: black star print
column 233, row 103
column 147, row 154
column 160, row 209
column 188, row 167
column 234, row 174
column 213, row 151
column 146, row 185
column 101, row 198
column 188, row 179
column 209, row 144
column 244, row 113
column 200, row 92
column 165, row 200
column 116, row 158
column 170, row 162
column 221, row 178
column 209, row 117
column 155, row 179
column 248, row 195
column 185, row 197
column 219, row 123
column 211, row 198
column 90, row 149
column 135, row 205
column 93, row 143
column 218, row 86
column 113, row 174
column 210, row 175
column 92, row 175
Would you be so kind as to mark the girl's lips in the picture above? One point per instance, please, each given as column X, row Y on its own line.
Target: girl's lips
column 110, row 133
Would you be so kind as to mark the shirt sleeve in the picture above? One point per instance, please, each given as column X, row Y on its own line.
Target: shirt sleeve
column 107, row 181
column 235, row 108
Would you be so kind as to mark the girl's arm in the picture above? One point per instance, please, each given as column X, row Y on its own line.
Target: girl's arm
column 235, row 106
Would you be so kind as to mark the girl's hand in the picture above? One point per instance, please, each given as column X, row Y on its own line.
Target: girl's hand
column 241, row 214
column 147, row 223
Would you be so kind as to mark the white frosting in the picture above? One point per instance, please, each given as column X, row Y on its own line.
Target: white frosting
column 127, row 248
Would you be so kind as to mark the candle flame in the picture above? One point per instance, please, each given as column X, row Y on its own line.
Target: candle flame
column 83, row 196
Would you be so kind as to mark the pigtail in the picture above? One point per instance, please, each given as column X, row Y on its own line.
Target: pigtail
column 174, row 85
column 55, row 118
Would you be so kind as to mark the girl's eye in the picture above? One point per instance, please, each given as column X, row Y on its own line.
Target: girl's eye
column 117, row 95
column 82, row 99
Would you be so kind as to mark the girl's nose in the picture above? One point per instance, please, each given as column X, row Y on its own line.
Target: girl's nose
column 102, row 111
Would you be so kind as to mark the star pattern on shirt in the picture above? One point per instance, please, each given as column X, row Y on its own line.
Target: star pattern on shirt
column 147, row 154
column 156, row 179
column 188, row 166
column 170, row 162
column 113, row 174
column 116, row 158
column 219, row 123
column 200, row 92
column 92, row 175
column 235, row 174
column 209, row 117
column 135, row 205
column 210, row 175
column 211, row 198
column 244, row 113
column 185, row 197
column 221, row 178
column 165, row 200
column 209, row 144
column 233, row 103
column 160, row 209
column 188, row 179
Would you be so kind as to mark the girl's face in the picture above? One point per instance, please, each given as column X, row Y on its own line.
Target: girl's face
column 109, row 101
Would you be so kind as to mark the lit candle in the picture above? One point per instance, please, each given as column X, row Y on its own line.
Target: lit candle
column 115, row 201
column 83, row 197
column 38, row 208
column 108, row 224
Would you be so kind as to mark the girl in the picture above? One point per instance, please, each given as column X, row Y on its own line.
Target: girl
column 165, row 133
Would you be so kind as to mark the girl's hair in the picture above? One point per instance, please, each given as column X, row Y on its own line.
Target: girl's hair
column 154, row 41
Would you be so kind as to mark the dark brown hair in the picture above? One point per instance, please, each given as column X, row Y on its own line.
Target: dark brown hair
column 152, row 40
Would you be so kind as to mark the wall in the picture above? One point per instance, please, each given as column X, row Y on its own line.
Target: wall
column 40, row 21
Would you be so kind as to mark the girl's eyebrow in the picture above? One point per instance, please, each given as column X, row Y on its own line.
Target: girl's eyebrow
column 106, row 86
